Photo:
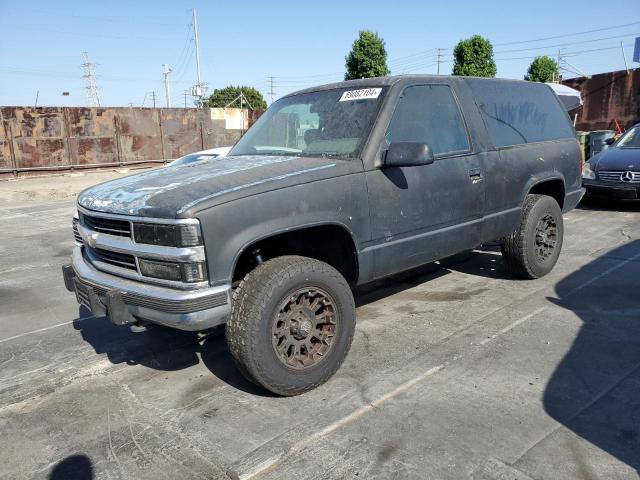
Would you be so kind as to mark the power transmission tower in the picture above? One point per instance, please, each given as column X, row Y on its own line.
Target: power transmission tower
column 90, row 81
column 272, row 92
column 153, row 98
column 439, row 58
column 186, row 94
column 166, row 71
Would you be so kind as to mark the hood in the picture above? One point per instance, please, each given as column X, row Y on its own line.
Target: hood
column 180, row 191
column 617, row 159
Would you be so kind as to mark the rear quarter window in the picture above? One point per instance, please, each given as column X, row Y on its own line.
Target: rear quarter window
column 516, row 113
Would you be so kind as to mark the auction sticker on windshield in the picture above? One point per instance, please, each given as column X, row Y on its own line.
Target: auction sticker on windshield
column 360, row 94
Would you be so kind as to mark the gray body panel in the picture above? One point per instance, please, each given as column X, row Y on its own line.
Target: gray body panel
column 180, row 191
column 229, row 228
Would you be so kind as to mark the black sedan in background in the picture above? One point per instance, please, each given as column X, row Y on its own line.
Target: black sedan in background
column 615, row 172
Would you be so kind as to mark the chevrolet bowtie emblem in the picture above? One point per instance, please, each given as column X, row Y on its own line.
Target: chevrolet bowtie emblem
column 92, row 240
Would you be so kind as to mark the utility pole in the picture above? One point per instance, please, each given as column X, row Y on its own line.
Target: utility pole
column 272, row 92
column 90, row 81
column 624, row 57
column 166, row 71
column 242, row 112
column 195, row 30
column 153, row 98
column 558, row 62
column 186, row 94
column 439, row 59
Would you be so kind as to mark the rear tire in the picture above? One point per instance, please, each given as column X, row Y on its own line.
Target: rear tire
column 291, row 325
column 532, row 250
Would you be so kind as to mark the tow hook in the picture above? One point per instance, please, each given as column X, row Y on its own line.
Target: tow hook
column 139, row 327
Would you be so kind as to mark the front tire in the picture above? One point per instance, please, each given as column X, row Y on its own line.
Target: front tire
column 532, row 250
column 291, row 325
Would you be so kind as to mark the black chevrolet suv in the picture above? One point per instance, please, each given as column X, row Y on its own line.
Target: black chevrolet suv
column 332, row 187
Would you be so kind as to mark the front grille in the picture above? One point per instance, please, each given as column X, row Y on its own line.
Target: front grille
column 621, row 176
column 76, row 233
column 83, row 298
column 163, row 305
column 110, row 226
column 122, row 260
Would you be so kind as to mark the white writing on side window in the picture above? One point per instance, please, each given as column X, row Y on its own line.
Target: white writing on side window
column 360, row 94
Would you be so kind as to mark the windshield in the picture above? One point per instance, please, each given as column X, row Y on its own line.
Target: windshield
column 630, row 139
column 327, row 123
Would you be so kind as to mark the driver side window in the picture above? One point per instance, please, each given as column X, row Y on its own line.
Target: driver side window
column 429, row 114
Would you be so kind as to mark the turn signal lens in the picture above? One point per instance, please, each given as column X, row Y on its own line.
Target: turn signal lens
column 194, row 272
column 587, row 172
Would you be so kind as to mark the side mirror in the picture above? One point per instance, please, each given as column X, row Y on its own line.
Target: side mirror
column 407, row 154
column 609, row 141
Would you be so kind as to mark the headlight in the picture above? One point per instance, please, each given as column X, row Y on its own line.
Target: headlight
column 587, row 172
column 178, row 272
column 182, row 235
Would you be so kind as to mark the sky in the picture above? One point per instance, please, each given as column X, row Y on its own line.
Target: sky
column 300, row 44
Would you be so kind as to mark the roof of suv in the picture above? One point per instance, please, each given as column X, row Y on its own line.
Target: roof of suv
column 390, row 80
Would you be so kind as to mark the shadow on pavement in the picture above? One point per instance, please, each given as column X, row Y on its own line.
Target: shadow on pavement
column 167, row 349
column 595, row 390
column 486, row 262
column 164, row 349
column 73, row 467
column 609, row 204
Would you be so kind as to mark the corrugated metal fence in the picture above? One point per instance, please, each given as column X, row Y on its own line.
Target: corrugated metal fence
column 608, row 97
column 65, row 138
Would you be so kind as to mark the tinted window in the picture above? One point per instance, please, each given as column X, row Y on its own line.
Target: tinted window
column 429, row 114
column 520, row 112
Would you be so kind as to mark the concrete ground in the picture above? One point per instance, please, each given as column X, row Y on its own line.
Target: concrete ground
column 455, row 372
column 63, row 186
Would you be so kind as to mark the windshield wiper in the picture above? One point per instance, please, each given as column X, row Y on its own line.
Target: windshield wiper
column 325, row 155
column 274, row 153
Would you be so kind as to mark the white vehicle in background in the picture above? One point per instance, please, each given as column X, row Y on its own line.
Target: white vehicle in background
column 203, row 155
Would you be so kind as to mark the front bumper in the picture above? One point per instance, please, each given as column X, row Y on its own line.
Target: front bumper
column 125, row 301
column 621, row 191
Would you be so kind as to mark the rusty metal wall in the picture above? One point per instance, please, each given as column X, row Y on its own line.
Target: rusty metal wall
column 64, row 138
column 608, row 97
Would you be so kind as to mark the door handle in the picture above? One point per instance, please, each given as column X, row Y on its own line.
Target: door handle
column 475, row 175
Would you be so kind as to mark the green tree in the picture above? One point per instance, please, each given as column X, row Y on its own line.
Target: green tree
column 228, row 96
column 367, row 58
column 473, row 57
column 542, row 69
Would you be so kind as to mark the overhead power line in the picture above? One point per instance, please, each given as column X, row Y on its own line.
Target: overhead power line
column 185, row 66
column 591, row 40
column 565, row 35
column 94, row 34
column 185, row 46
column 135, row 21
column 430, row 52
column 564, row 54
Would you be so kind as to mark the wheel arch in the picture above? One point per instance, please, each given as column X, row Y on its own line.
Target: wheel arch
column 287, row 241
column 553, row 186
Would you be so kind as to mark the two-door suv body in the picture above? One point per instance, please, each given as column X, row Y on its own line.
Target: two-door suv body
column 332, row 187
